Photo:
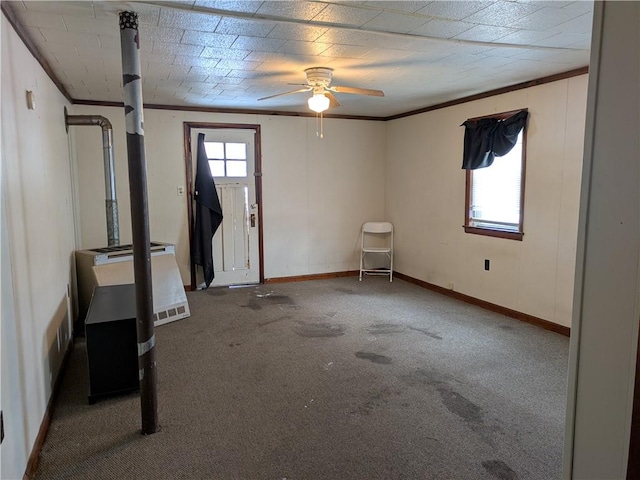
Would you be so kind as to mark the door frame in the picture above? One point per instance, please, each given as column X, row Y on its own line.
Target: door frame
column 257, row 176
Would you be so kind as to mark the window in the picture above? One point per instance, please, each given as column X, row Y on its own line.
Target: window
column 227, row 159
column 495, row 195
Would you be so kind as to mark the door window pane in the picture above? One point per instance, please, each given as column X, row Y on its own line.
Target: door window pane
column 217, row 168
column 236, row 168
column 236, row 151
column 214, row 149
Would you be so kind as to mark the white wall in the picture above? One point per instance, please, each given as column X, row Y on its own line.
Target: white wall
column 316, row 192
column 425, row 188
column 37, row 245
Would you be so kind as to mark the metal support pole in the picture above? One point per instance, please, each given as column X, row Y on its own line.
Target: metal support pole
column 132, row 83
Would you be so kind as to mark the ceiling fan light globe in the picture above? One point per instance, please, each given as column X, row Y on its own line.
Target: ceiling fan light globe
column 318, row 103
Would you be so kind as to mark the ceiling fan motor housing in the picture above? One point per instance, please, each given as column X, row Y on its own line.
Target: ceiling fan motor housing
column 319, row 76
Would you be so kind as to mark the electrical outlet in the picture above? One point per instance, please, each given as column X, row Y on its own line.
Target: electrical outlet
column 180, row 191
column 486, row 264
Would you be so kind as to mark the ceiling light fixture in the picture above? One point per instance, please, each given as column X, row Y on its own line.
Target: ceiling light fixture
column 319, row 102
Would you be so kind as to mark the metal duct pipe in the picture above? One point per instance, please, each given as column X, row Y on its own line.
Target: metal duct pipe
column 111, row 202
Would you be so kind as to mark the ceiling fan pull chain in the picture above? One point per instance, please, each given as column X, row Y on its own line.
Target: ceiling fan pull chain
column 321, row 125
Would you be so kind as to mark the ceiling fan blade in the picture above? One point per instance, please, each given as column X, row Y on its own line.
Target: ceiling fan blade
column 300, row 90
column 333, row 101
column 358, row 91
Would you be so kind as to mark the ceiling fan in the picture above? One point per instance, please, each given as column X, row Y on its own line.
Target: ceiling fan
column 318, row 81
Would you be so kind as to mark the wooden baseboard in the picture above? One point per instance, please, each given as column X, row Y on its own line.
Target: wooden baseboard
column 34, row 457
column 524, row 317
column 315, row 276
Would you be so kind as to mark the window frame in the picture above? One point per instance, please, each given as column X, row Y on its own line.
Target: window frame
column 488, row 231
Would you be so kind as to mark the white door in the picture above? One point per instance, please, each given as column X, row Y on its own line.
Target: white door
column 231, row 155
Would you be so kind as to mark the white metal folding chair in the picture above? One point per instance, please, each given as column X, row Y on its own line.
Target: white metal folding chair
column 377, row 247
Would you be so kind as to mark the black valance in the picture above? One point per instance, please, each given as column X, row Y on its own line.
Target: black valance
column 487, row 138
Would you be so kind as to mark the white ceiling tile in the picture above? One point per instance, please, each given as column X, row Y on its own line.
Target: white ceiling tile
column 238, row 64
column 386, row 54
column 402, row 6
column 581, row 24
column 188, row 20
column 217, row 40
column 563, row 40
column 224, row 80
column 525, row 37
column 213, row 52
column 98, row 26
column 502, row 13
column 291, row 9
column 548, row 17
column 294, row 47
column 84, row 9
column 504, row 52
column 258, row 44
column 158, row 57
column 370, row 39
column 177, row 48
column 442, row 28
column 485, row 33
column 583, row 44
column 187, row 76
column 196, row 61
column 345, row 15
column 41, row 19
column 241, row 26
column 246, row 6
column 456, row 10
column 68, row 38
column 350, row 51
column 162, row 34
column 395, row 22
column 292, row 31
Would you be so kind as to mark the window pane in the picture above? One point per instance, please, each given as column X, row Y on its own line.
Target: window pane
column 236, row 151
column 214, row 149
column 217, row 168
column 236, row 169
column 495, row 192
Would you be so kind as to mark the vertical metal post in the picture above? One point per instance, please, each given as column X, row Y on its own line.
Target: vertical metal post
column 132, row 83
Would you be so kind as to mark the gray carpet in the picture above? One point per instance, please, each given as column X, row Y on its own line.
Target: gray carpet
column 330, row 379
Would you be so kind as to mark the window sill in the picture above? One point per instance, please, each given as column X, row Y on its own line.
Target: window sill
column 494, row 233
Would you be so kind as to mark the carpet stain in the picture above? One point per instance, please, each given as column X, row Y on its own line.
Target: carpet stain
column 500, row 470
column 347, row 291
column 235, row 344
column 275, row 320
column 376, row 398
column 460, row 406
column 426, row 332
column 331, row 314
column 374, row 357
column 319, row 330
column 263, row 300
column 385, row 328
column 253, row 305
column 506, row 327
column 217, row 292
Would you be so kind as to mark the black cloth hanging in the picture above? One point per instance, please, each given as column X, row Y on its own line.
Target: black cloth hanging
column 208, row 214
column 487, row 138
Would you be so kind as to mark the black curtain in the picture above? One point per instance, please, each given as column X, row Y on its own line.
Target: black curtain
column 208, row 214
column 487, row 138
